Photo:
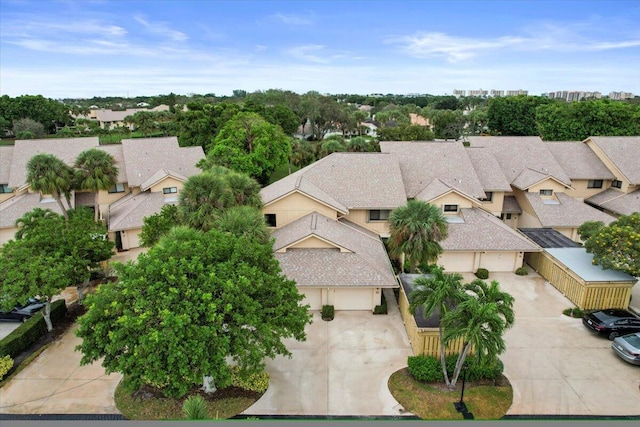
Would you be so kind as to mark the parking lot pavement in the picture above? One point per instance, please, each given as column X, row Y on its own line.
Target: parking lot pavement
column 555, row 365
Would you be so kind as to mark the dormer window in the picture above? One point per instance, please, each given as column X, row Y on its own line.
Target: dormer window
column 616, row 183
column 450, row 208
column 546, row 192
column 270, row 219
column 379, row 215
column 169, row 190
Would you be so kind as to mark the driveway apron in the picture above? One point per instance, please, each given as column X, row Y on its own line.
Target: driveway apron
column 342, row 369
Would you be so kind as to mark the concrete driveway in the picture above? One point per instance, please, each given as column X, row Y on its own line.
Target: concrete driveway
column 556, row 366
column 342, row 368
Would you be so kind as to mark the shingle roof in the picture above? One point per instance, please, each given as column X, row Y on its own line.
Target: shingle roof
column 518, row 153
column 421, row 163
column 145, row 156
column 579, row 161
column 159, row 176
column 103, row 115
column 346, row 181
column 617, row 201
column 482, row 231
column 624, row 152
column 366, row 263
column 511, row 205
column 66, row 149
column 130, row 211
column 549, row 238
column 6, row 154
column 116, row 152
column 14, row 208
column 564, row 211
column 488, row 169
column 529, row 177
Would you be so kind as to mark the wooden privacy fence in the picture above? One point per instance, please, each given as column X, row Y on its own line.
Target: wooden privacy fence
column 585, row 295
column 425, row 341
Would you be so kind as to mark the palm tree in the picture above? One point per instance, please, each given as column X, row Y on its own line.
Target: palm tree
column 95, row 171
column 415, row 232
column 480, row 320
column 30, row 220
column 50, row 175
column 243, row 221
column 439, row 293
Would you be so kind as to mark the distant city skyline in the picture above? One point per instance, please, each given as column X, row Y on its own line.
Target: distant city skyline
column 82, row 49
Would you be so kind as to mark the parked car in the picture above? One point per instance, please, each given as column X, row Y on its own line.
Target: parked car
column 23, row 312
column 611, row 322
column 628, row 348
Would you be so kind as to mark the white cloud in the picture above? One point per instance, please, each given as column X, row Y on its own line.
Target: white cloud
column 161, row 29
column 294, row 20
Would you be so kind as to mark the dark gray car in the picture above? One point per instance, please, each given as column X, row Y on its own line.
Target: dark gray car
column 23, row 312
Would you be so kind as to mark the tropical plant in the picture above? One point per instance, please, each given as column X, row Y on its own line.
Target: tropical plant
column 480, row 320
column 50, row 175
column 95, row 170
column 243, row 221
column 617, row 245
column 415, row 232
column 195, row 408
column 437, row 293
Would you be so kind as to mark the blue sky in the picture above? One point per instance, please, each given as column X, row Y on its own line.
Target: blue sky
column 129, row 48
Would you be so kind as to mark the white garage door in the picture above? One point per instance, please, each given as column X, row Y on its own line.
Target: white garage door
column 498, row 261
column 457, row 262
column 353, row 299
column 313, row 297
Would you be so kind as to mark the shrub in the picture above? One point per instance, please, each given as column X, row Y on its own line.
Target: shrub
column 482, row 273
column 488, row 369
column 29, row 332
column 6, row 363
column 252, row 381
column 425, row 368
column 574, row 312
column 327, row 312
column 195, row 408
column 522, row 271
column 382, row 308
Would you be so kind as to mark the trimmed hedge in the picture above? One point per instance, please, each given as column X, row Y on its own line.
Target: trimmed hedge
column 327, row 312
column 482, row 273
column 382, row 308
column 429, row 369
column 29, row 332
column 522, row 271
column 258, row 382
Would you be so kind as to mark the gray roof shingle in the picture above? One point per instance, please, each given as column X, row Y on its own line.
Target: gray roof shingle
column 482, row 231
column 14, row 208
column 516, row 154
column 488, row 169
column 130, row 211
column 579, row 161
column 511, row 205
column 624, row 152
column 366, row 263
column 145, row 156
column 6, row 155
column 346, row 181
column 617, row 201
column 422, row 163
column 564, row 211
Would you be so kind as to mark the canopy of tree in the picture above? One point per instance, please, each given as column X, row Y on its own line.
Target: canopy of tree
column 617, row 245
column 190, row 302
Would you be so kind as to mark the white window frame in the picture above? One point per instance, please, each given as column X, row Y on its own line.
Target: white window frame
column 546, row 192
column 169, row 190
column 383, row 215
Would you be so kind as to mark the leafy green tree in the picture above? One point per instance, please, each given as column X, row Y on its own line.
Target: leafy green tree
column 589, row 228
column 480, row 320
column 50, row 175
column 95, row 170
column 206, row 195
column 617, row 245
column 36, row 107
column 359, row 144
column 331, row 146
column 159, row 224
column 438, row 293
column 243, row 221
column 28, row 129
column 514, row 115
column 448, row 124
column 249, row 144
column 192, row 301
column 50, row 254
column 576, row 121
column 405, row 133
column 415, row 232
column 201, row 123
column 301, row 153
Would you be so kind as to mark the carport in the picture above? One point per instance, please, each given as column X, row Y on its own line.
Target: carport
column 569, row 268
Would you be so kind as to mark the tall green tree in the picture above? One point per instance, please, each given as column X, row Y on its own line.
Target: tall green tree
column 438, row 293
column 415, row 232
column 191, row 302
column 50, row 175
column 617, row 245
column 249, row 144
column 50, row 254
column 205, row 196
column 159, row 224
column 243, row 221
column 514, row 115
column 28, row 129
column 480, row 319
column 95, row 170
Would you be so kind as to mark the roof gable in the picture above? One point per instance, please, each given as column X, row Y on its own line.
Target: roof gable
column 579, row 161
column 623, row 152
column 564, row 211
column 159, row 176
